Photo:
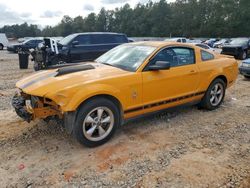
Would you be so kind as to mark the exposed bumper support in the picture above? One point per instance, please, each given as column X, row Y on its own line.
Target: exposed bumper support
column 28, row 113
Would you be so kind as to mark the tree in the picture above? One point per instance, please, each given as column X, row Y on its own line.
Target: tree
column 190, row 18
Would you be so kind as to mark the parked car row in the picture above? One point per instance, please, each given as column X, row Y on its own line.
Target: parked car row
column 237, row 47
column 28, row 44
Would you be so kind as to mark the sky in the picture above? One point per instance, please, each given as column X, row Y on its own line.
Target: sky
column 50, row 12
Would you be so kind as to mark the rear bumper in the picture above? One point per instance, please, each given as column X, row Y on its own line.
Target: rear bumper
column 244, row 71
column 18, row 102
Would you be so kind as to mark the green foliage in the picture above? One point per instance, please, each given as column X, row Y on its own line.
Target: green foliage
column 190, row 18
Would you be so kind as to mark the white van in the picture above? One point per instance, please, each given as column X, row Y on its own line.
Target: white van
column 3, row 41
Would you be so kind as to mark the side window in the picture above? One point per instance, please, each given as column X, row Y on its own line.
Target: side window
column 178, row 40
column 184, row 40
column 99, row 39
column 83, row 39
column 38, row 41
column 177, row 56
column 183, row 56
column 29, row 42
column 206, row 56
column 108, row 39
column 120, row 39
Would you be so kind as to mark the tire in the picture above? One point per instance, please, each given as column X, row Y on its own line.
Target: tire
column 88, row 124
column 243, row 55
column 1, row 46
column 209, row 101
column 247, row 77
column 37, row 66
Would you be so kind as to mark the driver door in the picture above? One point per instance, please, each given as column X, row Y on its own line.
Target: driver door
column 180, row 80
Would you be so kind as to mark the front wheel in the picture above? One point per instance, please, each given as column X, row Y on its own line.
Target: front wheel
column 214, row 95
column 1, row 47
column 96, row 122
column 247, row 77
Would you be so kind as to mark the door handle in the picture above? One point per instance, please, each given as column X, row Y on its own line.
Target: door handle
column 193, row 72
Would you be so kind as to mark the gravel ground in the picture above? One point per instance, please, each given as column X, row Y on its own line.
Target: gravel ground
column 185, row 148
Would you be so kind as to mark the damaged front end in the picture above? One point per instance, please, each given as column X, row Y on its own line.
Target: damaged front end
column 30, row 107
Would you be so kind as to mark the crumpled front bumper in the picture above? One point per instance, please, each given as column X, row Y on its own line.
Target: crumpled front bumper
column 30, row 107
column 18, row 102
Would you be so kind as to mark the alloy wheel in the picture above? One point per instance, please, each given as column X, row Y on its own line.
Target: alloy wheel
column 98, row 124
column 216, row 94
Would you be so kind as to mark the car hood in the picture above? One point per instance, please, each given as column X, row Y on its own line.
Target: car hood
column 52, row 81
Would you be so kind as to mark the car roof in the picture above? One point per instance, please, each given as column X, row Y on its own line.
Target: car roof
column 99, row 33
column 160, row 43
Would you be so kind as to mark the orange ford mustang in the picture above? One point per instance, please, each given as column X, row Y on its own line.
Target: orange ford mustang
column 134, row 79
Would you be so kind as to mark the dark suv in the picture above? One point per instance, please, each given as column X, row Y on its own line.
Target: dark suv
column 238, row 47
column 79, row 47
column 28, row 44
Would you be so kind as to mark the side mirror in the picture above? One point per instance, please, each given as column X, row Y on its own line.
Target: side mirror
column 159, row 65
column 75, row 43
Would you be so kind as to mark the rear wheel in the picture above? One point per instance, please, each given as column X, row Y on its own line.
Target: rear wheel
column 248, row 77
column 214, row 95
column 96, row 122
column 1, row 46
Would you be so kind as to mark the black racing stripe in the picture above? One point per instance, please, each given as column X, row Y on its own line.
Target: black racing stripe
column 163, row 102
column 133, row 109
column 39, row 79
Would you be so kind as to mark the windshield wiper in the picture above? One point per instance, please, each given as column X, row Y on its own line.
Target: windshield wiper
column 117, row 66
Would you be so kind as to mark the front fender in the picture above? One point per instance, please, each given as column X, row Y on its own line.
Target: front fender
column 90, row 91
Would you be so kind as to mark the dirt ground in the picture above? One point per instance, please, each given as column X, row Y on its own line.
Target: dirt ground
column 185, row 148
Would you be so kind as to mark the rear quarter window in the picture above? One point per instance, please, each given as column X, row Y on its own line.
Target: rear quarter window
column 206, row 56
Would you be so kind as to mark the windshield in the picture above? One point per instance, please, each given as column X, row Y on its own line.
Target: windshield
column 127, row 57
column 239, row 41
column 66, row 40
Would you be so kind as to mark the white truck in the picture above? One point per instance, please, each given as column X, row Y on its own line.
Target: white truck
column 3, row 41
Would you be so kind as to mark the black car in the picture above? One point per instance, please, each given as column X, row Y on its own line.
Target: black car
column 245, row 68
column 79, row 47
column 238, row 47
column 28, row 44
